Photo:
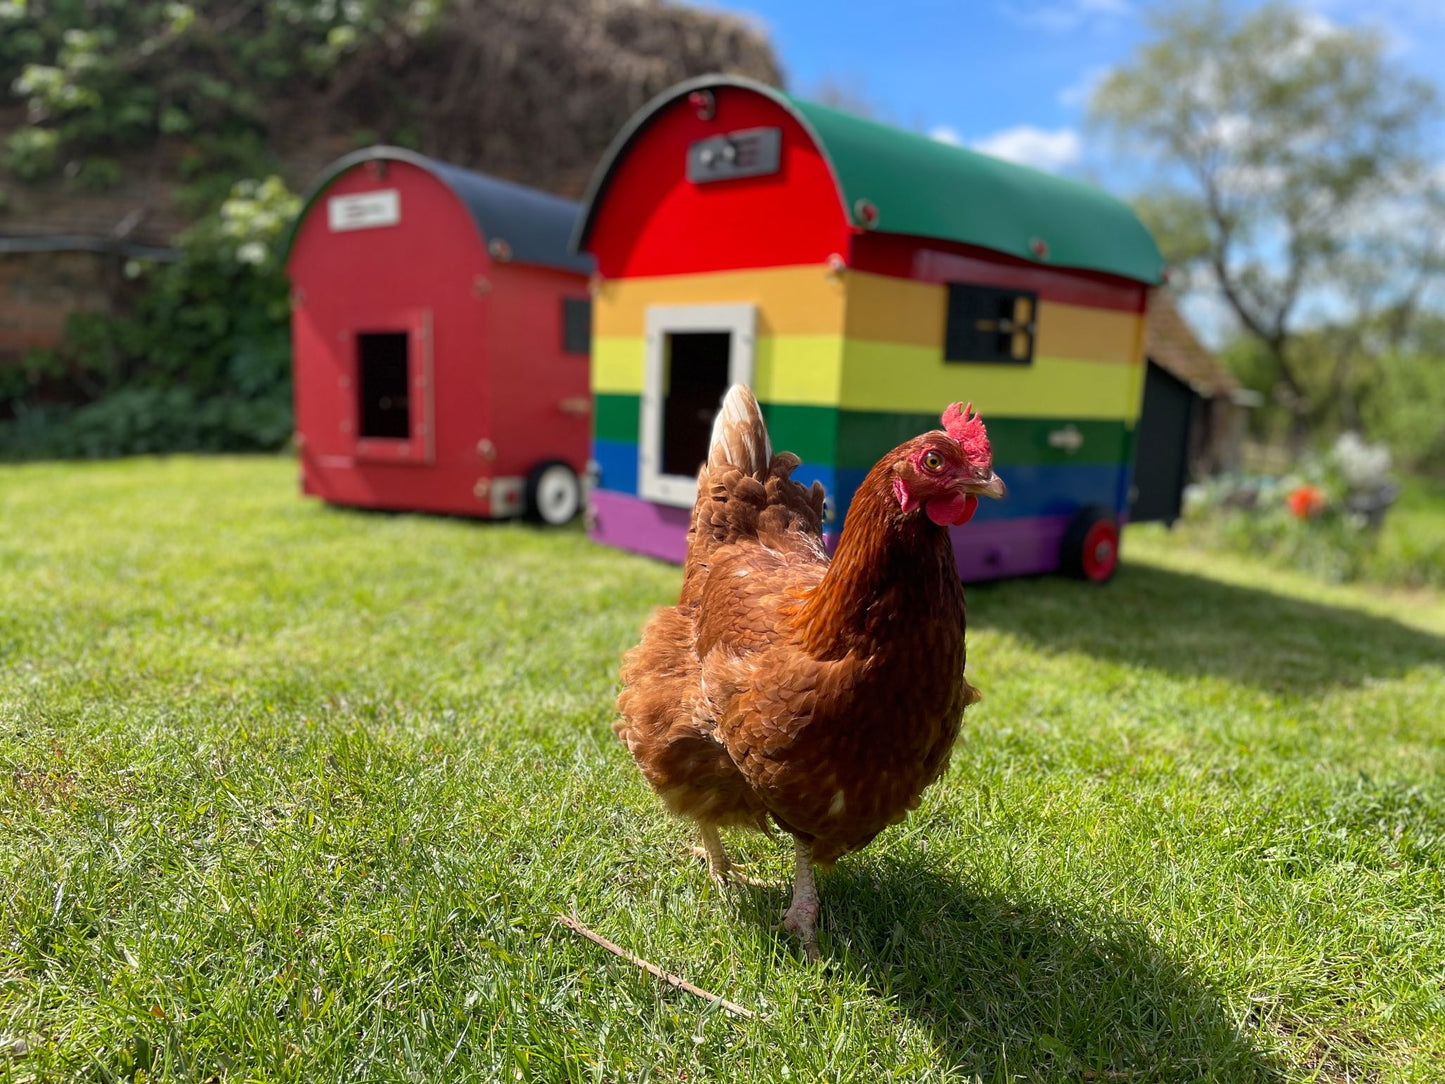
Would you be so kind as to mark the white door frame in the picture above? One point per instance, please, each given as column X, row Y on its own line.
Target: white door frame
column 741, row 322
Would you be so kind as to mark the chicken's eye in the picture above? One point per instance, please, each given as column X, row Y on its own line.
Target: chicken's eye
column 933, row 461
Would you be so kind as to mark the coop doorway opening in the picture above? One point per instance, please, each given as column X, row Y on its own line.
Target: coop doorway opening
column 384, row 384
column 696, row 380
column 694, row 354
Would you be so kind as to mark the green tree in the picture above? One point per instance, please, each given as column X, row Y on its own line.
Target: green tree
column 1293, row 177
column 103, row 78
column 202, row 360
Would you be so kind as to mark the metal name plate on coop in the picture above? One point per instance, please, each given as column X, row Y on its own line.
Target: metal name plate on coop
column 364, row 212
column 753, row 152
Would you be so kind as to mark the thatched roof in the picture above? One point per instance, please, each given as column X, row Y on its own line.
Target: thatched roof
column 1170, row 343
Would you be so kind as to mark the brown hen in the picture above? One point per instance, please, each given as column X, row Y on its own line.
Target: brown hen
column 823, row 695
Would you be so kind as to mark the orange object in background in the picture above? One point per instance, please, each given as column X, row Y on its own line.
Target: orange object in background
column 1307, row 501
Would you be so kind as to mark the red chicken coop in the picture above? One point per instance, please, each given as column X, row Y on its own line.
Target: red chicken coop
column 859, row 278
column 440, row 336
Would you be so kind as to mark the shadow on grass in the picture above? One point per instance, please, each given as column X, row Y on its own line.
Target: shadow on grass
column 1189, row 625
column 1017, row 990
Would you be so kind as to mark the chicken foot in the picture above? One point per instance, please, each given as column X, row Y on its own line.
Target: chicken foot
column 720, row 867
column 802, row 917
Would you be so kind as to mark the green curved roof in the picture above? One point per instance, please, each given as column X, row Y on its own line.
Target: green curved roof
column 925, row 188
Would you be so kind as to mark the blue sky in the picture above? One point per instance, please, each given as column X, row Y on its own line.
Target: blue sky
column 1012, row 76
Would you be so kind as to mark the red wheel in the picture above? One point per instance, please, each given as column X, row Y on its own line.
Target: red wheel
column 1090, row 549
column 1100, row 551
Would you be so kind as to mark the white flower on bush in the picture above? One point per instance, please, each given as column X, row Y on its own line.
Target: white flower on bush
column 258, row 211
column 1361, row 464
column 252, row 252
column 181, row 16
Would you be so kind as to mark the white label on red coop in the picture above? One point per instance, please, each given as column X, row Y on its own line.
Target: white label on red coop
column 364, row 212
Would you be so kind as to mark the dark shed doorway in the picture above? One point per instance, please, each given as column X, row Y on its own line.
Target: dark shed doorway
column 1161, row 447
column 697, row 378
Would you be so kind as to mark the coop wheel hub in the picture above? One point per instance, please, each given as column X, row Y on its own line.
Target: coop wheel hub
column 557, row 496
column 1101, row 550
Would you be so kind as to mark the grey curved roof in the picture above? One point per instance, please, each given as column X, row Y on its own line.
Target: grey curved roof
column 536, row 226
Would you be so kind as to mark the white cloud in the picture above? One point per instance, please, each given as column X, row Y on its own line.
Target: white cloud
column 1037, row 147
column 1063, row 16
column 1077, row 94
column 945, row 134
column 1414, row 11
column 1314, row 29
column 1381, row 16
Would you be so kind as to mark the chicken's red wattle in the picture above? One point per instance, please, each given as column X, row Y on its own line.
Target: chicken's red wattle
column 954, row 510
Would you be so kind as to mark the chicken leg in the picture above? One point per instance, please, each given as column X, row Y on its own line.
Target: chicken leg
column 802, row 917
column 720, row 867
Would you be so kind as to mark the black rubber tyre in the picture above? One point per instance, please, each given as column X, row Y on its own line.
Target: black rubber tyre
column 1090, row 550
column 554, row 494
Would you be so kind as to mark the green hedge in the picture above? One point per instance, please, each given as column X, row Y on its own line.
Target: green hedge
column 200, row 361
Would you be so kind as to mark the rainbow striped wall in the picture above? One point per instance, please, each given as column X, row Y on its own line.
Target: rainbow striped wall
column 849, row 364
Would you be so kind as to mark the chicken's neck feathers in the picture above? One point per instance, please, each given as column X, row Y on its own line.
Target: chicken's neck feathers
column 886, row 559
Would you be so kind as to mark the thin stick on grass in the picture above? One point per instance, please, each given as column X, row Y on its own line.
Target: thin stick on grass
column 668, row 977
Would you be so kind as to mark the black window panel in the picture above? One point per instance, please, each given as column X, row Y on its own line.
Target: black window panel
column 385, row 384
column 696, row 378
column 576, row 325
column 990, row 325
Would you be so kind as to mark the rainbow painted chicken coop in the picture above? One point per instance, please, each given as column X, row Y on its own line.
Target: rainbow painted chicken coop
column 859, row 278
column 440, row 331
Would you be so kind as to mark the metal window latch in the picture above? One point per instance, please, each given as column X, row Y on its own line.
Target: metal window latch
column 1067, row 439
column 1005, row 326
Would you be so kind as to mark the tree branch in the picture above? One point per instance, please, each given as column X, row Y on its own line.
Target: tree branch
column 668, row 977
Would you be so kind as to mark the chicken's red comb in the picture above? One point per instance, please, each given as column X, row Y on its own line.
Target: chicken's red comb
column 966, row 427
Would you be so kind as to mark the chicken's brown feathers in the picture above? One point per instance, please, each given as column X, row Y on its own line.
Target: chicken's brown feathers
column 825, row 695
column 744, row 497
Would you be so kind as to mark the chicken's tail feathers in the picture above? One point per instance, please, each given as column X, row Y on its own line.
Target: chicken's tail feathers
column 739, row 435
column 744, row 493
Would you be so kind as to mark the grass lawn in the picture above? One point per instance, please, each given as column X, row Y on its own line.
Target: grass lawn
column 294, row 793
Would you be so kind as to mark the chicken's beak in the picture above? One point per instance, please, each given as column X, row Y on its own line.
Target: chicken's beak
column 992, row 487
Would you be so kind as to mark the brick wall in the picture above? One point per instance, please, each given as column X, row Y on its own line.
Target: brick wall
column 39, row 290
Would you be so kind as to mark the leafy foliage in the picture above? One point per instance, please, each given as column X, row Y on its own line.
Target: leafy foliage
column 1405, row 404
column 197, row 355
column 1333, row 516
column 1295, row 166
column 100, row 77
column 200, row 362
column 1395, row 390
